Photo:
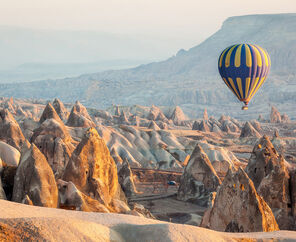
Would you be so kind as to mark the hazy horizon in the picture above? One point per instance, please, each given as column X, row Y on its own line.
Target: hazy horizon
column 191, row 19
column 89, row 31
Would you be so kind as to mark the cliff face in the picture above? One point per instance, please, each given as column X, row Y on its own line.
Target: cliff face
column 190, row 77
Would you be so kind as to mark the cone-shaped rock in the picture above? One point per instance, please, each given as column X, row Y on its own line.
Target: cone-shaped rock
column 35, row 179
column 195, row 125
column 125, row 178
column 274, row 188
column 263, row 159
column 92, row 169
column 199, row 179
column 60, row 109
column 153, row 113
column 249, row 131
column 178, row 116
column 153, row 126
column 10, row 131
column 79, row 117
column 48, row 113
column 269, row 173
column 238, row 207
column 203, row 126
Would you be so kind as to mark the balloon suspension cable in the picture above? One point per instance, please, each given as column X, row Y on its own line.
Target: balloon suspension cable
column 246, row 106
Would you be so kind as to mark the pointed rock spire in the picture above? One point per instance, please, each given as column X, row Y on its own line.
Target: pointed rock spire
column 153, row 126
column 178, row 116
column 249, row 131
column 92, row 169
column 48, row 113
column 35, row 179
column 238, row 207
column 60, row 109
column 199, row 178
column 10, row 131
column 79, row 117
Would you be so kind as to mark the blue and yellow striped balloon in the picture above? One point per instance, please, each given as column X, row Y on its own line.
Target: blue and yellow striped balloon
column 244, row 68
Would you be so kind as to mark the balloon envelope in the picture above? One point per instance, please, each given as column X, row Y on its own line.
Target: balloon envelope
column 244, row 68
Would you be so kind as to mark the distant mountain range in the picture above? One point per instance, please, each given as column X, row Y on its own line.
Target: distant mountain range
column 189, row 79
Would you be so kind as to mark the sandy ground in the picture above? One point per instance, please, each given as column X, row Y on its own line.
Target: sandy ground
column 19, row 222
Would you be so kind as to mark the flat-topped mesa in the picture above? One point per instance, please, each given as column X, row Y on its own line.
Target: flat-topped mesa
column 49, row 113
column 178, row 116
column 199, row 179
column 93, row 171
column 10, row 131
column 34, row 181
column 249, row 131
column 238, row 207
column 60, row 109
column 79, row 117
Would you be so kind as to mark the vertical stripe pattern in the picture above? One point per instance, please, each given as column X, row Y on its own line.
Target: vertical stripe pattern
column 244, row 69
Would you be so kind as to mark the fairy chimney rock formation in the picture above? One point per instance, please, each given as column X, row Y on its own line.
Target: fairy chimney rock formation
column 270, row 175
column 178, row 116
column 153, row 126
column 275, row 116
column 35, row 179
column 125, row 178
column 92, row 169
column 238, row 207
column 10, row 131
column 199, row 178
column 262, row 161
column 79, row 117
column 48, row 113
column 60, row 109
column 249, row 131
column 153, row 113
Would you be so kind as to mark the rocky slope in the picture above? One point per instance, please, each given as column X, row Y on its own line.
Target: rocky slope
column 46, row 225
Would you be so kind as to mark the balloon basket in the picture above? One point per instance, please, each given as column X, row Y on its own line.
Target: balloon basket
column 245, row 107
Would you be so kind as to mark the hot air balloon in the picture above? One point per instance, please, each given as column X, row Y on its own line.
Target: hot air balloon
column 244, row 68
